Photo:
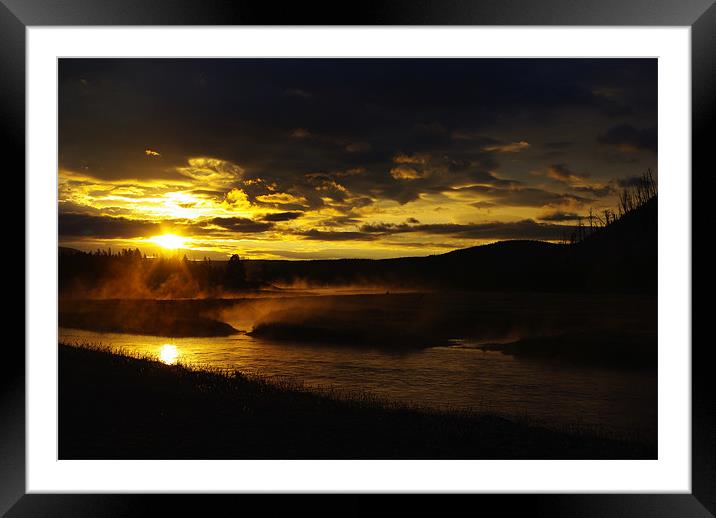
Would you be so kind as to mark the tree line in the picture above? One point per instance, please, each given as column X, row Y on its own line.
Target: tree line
column 130, row 273
column 633, row 196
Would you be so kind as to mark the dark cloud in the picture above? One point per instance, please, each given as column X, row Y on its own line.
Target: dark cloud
column 562, row 173
column 85, row 225
column 107, row 227
column 322, row 235
column 558, row 145
column 561, row 216
column 281, row 216
column 551, row 155
column 597, row 192
column 632, row 181
column 620, row 158
column 523, row 197
column 244, row 225
column 340, row 221
column 629, row 138
column 361, row 113
column 525, row 229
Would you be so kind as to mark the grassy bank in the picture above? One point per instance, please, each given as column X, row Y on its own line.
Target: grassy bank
column 113, row 406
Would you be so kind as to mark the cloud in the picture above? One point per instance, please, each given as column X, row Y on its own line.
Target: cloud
column 357, row 147
column 631, row 181
column 473, row 137
column 524, row 229
column 562, row 144
column 596, row 191
column 522, row 197
column 243, row 225
column 281, row 216
column 237, row 199
column 554, row 149
column 110, row 227
column 325, row 235
column 406, row 173
column 340, row 221
column 301, row 133
column 560, row 216
column 421, row 159
column 332, row 190
column 615, row 156
column 212, row 171
column 333, row 175
column 84, row 225
column 510, row 147
column 282, row 198
column 562, row 173
column 627, row 138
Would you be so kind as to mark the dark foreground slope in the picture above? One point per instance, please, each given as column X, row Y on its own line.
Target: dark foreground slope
column 117, row 407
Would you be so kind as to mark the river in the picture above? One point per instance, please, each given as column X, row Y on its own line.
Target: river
column 461, row 376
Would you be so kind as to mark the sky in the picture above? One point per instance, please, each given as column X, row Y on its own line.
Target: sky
column 344, row 158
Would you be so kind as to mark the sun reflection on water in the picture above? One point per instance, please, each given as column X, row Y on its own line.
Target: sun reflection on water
column 168, row 353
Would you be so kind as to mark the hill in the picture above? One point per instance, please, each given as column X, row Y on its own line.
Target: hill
column 621, row 257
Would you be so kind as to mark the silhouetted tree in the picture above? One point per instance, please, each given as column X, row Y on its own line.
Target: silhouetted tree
column 235, row 274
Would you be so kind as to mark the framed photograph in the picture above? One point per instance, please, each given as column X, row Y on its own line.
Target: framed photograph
column 435, row 249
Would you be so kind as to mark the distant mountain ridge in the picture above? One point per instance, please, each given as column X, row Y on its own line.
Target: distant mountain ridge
column 621, row 257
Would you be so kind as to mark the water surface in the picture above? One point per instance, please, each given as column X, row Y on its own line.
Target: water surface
column 461, row 376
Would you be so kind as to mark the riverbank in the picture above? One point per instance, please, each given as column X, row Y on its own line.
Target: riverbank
column 113, row 406
column 147, row 317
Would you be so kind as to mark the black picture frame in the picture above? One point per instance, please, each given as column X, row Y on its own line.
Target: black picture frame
column 700, row 15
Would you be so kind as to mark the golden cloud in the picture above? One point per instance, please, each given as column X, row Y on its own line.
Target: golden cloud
column 236, row 199
column 411, row 159
column 406, row 173
column 282, row 198
column 212, row 171
column 510, row 147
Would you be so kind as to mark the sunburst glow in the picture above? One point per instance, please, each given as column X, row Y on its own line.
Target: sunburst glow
column 169, row 241
column 168, row 354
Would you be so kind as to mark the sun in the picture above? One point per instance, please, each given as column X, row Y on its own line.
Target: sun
column 168, row 353
column 169, row 241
